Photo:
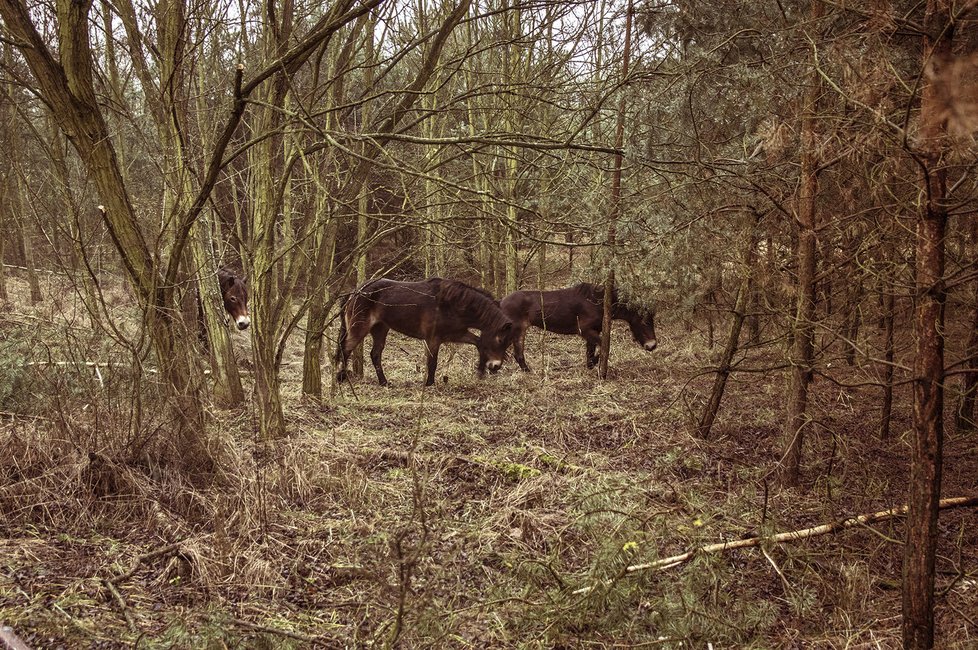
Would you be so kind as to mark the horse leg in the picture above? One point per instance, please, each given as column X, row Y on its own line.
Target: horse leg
column 355, row 333
column 593, row 338
column 431, row 348
column 518, row 343
column 379, row 334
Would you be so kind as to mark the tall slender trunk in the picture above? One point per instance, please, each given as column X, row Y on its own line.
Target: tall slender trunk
column 712, row 406
column 324, row 248
column 886, row 407
column 363, row 205
column 4, row 297
column 928, row 384
column 22, row 234
column 228, row 390
column 853, row 318
column 512, row 60
column 609, row 283
column 16, row 187
column 797, row 418
column 266, row 303
column 323, row 240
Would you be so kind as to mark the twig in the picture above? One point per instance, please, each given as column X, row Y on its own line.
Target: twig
column 315, row 640
column 163, row 550
column 122, row 605
column 777, row 569
column 25, row 416
column 791, row 536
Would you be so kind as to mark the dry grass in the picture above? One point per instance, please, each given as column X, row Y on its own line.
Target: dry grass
column 465, row 515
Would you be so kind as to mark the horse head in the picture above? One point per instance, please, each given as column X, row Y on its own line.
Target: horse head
column 643, row 329
column 235, row 295
column 492, row 345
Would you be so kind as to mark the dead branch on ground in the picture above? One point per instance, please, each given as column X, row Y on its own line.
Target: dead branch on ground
column 791, row 536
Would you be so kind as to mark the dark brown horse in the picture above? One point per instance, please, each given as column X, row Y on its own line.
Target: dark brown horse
column 575, row 310
column 435, row 310
column 235, row 295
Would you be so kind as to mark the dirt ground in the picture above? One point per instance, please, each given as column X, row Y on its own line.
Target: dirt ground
column 495, row 513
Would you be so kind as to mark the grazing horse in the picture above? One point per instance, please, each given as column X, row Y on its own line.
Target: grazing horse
column 434, row 310
column 235, row 295
column 575, row 310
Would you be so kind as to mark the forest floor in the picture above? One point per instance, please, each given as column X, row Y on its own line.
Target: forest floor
column 495, row 513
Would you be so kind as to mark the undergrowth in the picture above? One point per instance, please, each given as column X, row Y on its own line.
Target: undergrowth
column 475, row 514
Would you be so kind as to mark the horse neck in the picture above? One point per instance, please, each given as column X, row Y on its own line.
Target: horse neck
column 487, row 316
column 478, row 310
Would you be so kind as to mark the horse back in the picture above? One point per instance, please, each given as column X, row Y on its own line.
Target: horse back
column 562, row 311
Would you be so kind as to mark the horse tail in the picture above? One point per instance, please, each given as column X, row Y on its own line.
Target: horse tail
column 341, row 339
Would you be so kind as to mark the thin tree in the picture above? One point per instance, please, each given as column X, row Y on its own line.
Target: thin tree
column 928, row 369
column 609, row 283
column 725, row 364
column 801, row 355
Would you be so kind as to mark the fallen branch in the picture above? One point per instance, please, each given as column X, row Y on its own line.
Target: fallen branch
column 163, row 550
column 791, row 536
column 24, row 268
column 88, row 364
column 121, row 602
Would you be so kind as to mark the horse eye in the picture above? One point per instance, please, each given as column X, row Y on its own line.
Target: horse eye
column 232, row 299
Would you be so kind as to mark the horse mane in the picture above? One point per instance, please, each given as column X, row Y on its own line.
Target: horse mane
column 477, row 301
column 595, row 293
column 227, row 277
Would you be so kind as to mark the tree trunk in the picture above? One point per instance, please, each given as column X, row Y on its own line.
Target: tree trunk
column 227, row 381
column 21, row 235
column 886, row 407
column 324, row 248
column 928, row 388
column 3, row 237
column 363, row 205
column 266, row 304
column 854, row 318
column 804, row 326
column 78, row 261
column 712, row 406
column 609, row 284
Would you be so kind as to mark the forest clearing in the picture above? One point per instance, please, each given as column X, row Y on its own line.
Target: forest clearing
column 488, row 324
